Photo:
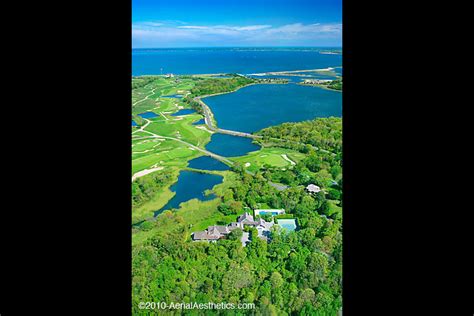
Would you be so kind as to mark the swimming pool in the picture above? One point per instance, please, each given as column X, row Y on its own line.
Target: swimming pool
column 269, row 213
column 272, row 212
column 287, row 224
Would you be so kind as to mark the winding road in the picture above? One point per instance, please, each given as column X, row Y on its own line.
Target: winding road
column 210, row 124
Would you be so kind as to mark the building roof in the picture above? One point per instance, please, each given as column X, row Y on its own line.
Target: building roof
column 203, row 235
column 313, row 188
column 234, row 225
column 246, row 217
column 218, row 228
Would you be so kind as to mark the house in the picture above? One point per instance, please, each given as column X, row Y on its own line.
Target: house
column 169, row 75
column 216, row 232
column 246, row 219
column 312, row 188
column 263, row 228
column 235, row 225
column 205, row 236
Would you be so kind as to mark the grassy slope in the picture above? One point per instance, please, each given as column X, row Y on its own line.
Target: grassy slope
column 269, row 156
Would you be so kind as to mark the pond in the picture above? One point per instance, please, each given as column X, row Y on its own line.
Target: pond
column 184, row 112
column 230, row 146
column 148, row 115
column 207, row 163
column 191, row 185
column 134, row 123
column 200, row 122
column 258, row 106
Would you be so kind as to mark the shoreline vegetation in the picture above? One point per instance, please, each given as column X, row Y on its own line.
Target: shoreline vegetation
column 335, row 85
column 298, row 272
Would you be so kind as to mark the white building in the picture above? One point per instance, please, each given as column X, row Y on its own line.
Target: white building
column 312, row 188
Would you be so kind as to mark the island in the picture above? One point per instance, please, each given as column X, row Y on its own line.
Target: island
column 324, row 83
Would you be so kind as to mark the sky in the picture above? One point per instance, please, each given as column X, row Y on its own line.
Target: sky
column 241, row 23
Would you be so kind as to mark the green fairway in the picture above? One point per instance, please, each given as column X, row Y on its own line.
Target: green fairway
column 272, row 156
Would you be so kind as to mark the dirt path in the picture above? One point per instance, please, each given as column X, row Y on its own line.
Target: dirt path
column 146, row 97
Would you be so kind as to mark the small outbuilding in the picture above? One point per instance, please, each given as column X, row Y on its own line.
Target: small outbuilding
column 313, row 188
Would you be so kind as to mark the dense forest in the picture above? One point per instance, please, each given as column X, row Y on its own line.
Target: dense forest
column 212, row 86
column 323, row 133
column 297, row 273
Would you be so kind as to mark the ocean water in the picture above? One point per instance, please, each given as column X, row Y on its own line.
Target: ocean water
column 228, row 60
column 258, row 106
column 191, row 185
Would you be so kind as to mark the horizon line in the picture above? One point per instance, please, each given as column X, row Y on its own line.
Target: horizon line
column 327, row 46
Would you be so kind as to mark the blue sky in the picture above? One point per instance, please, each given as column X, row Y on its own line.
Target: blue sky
column 211, row 23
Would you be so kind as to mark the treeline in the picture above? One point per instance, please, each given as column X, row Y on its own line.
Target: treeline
column 144, row 188
column 335, row 84
column 323, row 133
column 139, row 82
column 212, row 85
column 196, row 106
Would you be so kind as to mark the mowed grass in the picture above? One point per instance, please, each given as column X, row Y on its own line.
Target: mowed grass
column 269, row 156
column 181, row 128
column 148, row 97
column 177, row 156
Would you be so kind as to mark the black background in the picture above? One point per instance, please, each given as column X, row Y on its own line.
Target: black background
column 65, row 216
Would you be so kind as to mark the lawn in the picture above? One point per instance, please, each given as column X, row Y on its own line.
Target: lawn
column 271, row 156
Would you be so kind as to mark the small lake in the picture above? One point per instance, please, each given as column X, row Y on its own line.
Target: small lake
column 184, row 112
column 207, row 163
column 258, row 106
column 191, row 185
column 134, row 123
column 201, row 121
column 230, row 146
column 148, row 115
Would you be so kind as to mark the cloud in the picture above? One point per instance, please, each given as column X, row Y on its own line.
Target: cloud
column 159, row 34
